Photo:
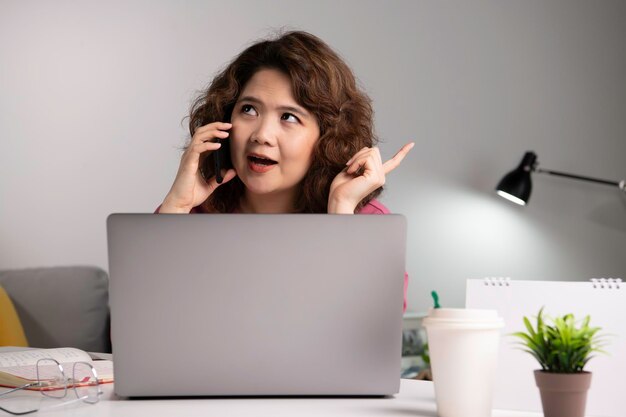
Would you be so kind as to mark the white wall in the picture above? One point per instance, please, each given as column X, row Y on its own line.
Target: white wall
column 92, row 95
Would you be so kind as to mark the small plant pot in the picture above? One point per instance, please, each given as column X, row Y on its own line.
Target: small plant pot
column 563, row 395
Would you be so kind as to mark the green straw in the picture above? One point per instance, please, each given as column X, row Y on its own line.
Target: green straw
column 435, row 299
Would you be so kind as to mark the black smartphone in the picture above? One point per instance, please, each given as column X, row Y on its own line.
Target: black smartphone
column 221, row 159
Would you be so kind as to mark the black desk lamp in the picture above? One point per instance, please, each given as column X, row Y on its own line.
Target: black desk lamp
column 516, row 185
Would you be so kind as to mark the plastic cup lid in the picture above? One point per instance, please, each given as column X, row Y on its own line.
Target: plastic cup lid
column 463, row 316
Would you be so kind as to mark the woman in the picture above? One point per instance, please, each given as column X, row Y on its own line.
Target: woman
column 300, row 134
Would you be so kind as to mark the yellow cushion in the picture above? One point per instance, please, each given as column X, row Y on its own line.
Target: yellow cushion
column 11, row 331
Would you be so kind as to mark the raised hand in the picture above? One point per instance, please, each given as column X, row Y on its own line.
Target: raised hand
column 364, row 173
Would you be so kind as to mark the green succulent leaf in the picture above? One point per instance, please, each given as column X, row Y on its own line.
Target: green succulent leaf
column 529, row 326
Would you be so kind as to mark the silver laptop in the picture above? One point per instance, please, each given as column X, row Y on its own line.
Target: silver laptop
column 256, row 305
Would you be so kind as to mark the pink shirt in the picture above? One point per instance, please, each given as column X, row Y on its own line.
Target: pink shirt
column 373, row 207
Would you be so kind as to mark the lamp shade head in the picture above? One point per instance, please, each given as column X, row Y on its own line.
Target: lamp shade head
column 517, row 185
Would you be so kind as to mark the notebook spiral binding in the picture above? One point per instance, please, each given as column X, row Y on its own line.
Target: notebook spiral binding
column 609, row 283
column 497, row 281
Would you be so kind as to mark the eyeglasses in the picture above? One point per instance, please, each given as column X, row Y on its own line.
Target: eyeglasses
column 52, row 382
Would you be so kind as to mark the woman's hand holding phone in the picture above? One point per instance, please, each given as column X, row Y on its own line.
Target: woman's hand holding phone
column 190, row 189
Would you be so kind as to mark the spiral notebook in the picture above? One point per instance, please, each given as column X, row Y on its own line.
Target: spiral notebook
column 603, row 299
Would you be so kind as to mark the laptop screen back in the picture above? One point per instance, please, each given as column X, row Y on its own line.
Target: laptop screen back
column 243, row 304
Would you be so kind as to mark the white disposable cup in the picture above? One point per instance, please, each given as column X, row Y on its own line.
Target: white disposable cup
column 463, row 346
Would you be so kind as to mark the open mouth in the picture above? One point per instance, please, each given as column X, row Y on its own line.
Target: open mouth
column 261, row 161
column 260, row 164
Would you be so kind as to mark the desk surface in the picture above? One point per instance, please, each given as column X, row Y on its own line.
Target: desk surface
column 416, row 398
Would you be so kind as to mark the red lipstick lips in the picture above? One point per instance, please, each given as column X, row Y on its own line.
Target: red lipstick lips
column 260, row 163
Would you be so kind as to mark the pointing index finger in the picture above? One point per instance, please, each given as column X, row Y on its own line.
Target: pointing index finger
column 393, row 163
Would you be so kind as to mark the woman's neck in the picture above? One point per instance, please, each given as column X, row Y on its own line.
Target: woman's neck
column 267, row 203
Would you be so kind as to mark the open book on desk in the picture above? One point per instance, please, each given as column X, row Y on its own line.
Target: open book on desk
column 18, row 368
column 604, row 301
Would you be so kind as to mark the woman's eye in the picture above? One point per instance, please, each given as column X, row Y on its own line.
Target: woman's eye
column 248, row 109
column 287, row 116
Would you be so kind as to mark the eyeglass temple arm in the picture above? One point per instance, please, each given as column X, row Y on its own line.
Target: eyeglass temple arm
column 19, row 413
column 31, row 384
column 620, row 184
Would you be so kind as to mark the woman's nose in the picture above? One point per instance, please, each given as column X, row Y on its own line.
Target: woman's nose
column 265, row 133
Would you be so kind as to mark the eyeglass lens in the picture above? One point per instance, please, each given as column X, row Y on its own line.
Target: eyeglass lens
column 51, row 377
column 86, row 385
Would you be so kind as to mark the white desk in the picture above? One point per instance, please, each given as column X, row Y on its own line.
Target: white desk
column 416, row 398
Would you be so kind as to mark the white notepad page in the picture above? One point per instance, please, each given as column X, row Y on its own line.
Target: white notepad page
column 515, row 384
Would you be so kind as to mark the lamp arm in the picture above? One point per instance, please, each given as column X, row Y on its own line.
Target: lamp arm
column 620, row 184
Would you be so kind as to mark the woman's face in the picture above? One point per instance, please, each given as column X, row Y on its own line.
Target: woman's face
column 272, row 137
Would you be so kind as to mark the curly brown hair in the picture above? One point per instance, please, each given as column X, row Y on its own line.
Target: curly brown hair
column 323, row 84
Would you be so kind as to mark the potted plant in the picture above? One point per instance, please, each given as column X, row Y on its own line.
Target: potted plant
column 562, row 348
